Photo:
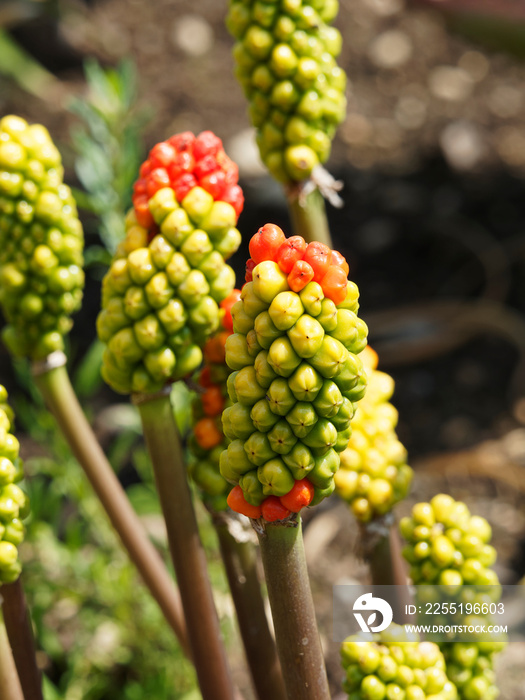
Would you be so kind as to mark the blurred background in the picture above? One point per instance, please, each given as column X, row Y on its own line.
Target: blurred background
column 432, row 156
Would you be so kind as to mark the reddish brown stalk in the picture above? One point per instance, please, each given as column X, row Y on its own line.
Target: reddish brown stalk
column 61, row 400
column 10, row 688
column 296, row 632
column 20, row 633
column 163, row 441
column 240, row 561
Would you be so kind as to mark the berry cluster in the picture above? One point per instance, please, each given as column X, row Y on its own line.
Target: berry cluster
column 207, row 440
column 183, row 162
column 14, row 504
column 449, row 546
column 394, row 665
column 285, row 61
column 161, row 295
column 41, row 242
column 296, row 377
column 374, row 475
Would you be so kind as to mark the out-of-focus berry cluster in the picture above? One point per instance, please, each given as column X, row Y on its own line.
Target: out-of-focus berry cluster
column 41, row 242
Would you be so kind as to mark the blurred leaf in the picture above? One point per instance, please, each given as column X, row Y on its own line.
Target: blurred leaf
column 87, row 379
column 144, row 499
column 23, row 68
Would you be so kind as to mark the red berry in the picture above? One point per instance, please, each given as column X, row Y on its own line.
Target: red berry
column 230, row 169
column 205, row 144
column 205, row 166
column 299, row 496
column 183, row 184
column 266, row 242
column 214, row 184
column 183, row 163
column 290, row 252
column 156, row 180
column 334, row 284
column 162, row 155
column 239, row 504
column 142, row 211
column 319, row 256
column 300, row 275
column 227, row 304
column 234, row 196
column 273, row 509
column 140, row 186
column 250, row 264
column 338, row 259
column 145, row 169
column 182, row 142
column 205, row 377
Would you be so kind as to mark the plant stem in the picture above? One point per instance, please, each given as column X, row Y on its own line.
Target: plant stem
column 61, row 400
column 296, row 632
column 10, row 688
column 308, row 214
column 163, row 441
column 240, row 562
column 381, row 547
column 20, row 632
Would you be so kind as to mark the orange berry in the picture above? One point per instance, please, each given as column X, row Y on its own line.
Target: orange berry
column 227, row 304
column 340, row 260
column 334, row 284
column 300, row 276
column 239, row 504
column 299, row 496
column 212, row 401
column 207, row 433
column 319, row 257
column 214, row 350
column 290, row 252
column 265, row 243
column 273, row 509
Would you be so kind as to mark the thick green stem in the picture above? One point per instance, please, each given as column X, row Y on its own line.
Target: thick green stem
column 20, row 632
column 162, row 439
column 10, row 688
column 296, row 632
column 308, row 214
column 62, row 402
column 240, row 561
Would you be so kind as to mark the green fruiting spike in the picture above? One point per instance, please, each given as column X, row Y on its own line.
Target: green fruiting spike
column 394, row 664
column 285, row 62
column 161, row 295
column 14, row 504
column 449, row 546
column 41, row 242
column 374, row 475
column 294, row 384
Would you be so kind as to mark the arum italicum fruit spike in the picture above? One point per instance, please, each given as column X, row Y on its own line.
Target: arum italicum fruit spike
column 207, row 439
column 394, row 664
column 297, row 376
column 285, row 61
column 161, row 294
column 14, row 508
column 41, row 242
column 449, row 546
column 374, row 475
